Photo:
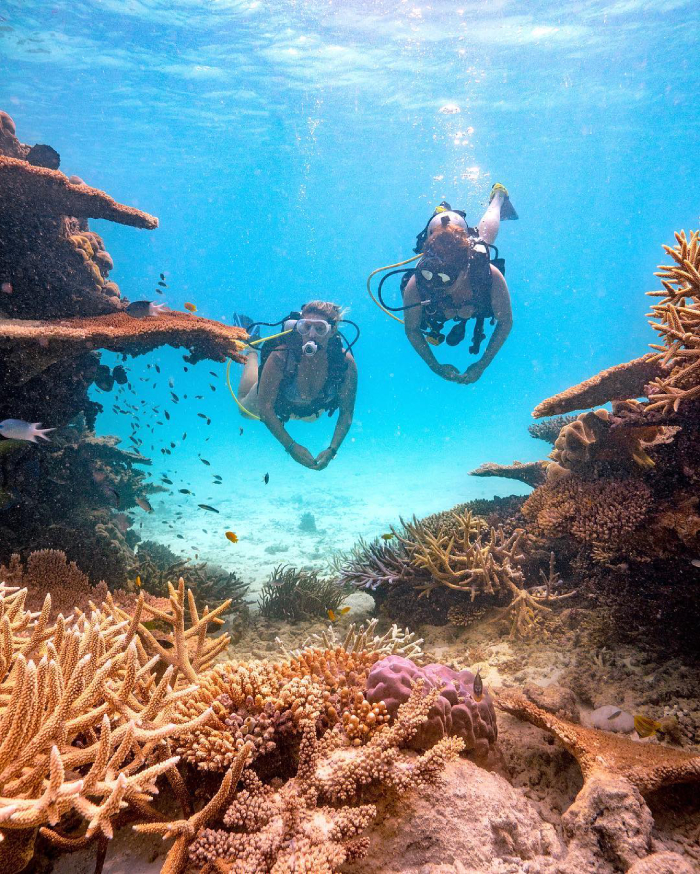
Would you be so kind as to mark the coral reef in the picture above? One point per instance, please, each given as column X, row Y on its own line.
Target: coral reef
column 456, row 712
column 291, row 828
column 532, row 473
column 85, row 722
column 550, row 428
column 295, row 594
column 361, row 639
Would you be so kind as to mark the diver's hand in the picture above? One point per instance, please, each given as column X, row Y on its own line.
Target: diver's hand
column 302, row 456
column 323, row 459
column 447, row 371
column 471, row 374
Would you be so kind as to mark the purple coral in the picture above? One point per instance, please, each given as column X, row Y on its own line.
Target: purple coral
column 455, row 712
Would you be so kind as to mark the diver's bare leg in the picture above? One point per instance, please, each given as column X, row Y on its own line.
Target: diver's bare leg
column 250, row 374
column 490, row 223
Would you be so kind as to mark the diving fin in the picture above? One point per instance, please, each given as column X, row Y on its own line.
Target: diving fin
column 507, row 209
column 245, row 322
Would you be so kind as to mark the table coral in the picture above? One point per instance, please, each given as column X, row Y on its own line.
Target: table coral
column 291, row 828
column 590, row 440
column 532, row 473
column 456, row 711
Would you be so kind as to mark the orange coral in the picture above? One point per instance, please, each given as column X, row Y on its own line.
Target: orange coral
column 44, row 343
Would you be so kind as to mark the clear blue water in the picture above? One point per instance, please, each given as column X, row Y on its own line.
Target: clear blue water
column 289, row 148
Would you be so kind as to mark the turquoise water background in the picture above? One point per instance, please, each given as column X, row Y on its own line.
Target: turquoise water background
column 289, row 148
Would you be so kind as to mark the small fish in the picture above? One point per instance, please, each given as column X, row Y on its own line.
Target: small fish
column 163, row 284
column 644, row 726
column 266, row 478
column 202, row 415
column 166, row 480
column 185, row 491
column 179, row 536
column 332, row 616
column 344, row 611
column 162, row 275
column 158, row 291
column 695, row 562
column 6, row 288
column 208, row 423
column 232, row 536
column 240, row 433
column 212, row 387
column 157, row 368
column 204, row 461
column 176, row 399
column 184, row 436
column 190, row 307
column 138, row 581
column 388, row 536
column 171, row 382
column 207, row 507
column 143, row 503
column 166, row 414
column 478, row 687
column 614, row 714
column 172, row 445
column 18, row 429
column 199, row 398
column 211, row 373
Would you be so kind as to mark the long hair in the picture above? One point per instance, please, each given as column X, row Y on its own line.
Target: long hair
column 452, row 245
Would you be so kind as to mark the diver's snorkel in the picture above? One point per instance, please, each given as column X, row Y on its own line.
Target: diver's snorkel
column 309, row 348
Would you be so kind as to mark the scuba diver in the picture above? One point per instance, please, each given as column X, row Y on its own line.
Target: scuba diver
column 455, row 280
column 302, row 372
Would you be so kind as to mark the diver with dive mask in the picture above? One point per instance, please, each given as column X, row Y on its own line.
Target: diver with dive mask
column 455, row 280
column 304, row 370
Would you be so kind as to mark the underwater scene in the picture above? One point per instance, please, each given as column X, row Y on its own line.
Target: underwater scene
column 349, row 437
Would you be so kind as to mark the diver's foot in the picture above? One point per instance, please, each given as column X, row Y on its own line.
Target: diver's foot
column 507, row 209
column 245, row 322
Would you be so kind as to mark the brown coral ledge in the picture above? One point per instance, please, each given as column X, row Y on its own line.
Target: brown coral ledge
column 532, row 473
column 45, row 342
column 646, row 766
column 25, row 188
column 617, row 383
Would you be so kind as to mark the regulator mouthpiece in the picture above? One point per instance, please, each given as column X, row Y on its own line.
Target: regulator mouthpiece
column 309, row 348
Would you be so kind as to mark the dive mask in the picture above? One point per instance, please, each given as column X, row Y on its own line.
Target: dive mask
column 317, row 327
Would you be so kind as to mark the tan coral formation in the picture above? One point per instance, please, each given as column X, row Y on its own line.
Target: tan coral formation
column 292, row 829
column 32, row 346
column 647, row 766
column 532, row 473
column 85, row 720
column 27, row 189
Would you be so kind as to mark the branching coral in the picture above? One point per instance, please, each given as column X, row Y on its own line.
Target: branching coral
column 295, row 594
column 85, row 723
column 292, row 829
column 604, row 513
column 363, row 639
column 264, row 702
column 677, row 321
column 49, row 570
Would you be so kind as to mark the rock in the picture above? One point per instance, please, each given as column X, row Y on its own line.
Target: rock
column 473, row 821
column 600, row 718
column 608, row 817
column 662, row 863
column 554, row 699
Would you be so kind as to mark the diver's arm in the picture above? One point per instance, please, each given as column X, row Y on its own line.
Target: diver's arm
column 412, row 321
column 268, row 389
column 500, row 302
column 346, row 408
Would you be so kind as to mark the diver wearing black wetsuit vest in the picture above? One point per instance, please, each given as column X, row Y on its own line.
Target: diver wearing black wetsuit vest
column 456, row 280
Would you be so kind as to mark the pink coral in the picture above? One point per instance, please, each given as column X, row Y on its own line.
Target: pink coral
column 455, row 711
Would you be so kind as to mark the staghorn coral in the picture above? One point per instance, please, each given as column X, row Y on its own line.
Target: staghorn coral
column 603, row 513
column 84, row 721
column 677, row 321
column 363, row 639
column 264, row 702
column 455, row 712
column 532, row 473
column 294, row 594
column 292, row 829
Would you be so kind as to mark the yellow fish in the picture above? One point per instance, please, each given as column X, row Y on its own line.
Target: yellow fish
column 332, row 616
column 388, row 536
column 190, row 307
column 138, row 581
column 644, row 726
column 232, row 537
